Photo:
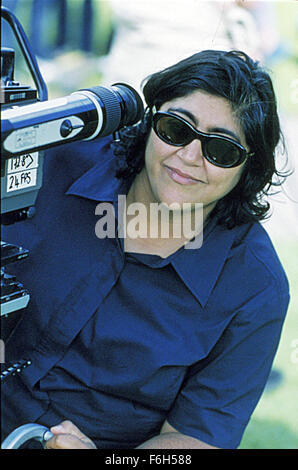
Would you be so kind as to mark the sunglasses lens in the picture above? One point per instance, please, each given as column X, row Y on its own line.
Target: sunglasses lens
column 217, row 150
column 173, row 131
column 223, row 153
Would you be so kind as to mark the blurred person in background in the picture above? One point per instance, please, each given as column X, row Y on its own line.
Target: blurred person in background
column 150, row 35
column 137, row 341
column 67, row 36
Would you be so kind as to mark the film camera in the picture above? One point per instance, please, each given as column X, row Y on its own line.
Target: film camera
column 30, row 123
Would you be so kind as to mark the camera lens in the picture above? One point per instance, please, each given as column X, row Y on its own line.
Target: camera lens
column 121, row 106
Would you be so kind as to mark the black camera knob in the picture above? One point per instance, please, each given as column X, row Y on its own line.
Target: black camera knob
column 66, row 128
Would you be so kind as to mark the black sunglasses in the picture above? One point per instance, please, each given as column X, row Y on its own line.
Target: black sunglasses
column 217, row 149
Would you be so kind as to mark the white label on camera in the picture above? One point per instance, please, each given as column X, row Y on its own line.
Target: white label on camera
column 23, row 162
column 40, row 135
column 21, row 180
column 21, row 172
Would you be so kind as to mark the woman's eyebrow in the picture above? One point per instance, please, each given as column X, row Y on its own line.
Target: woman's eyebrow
column 186, row 113
column 223, row 130
column 220, row 130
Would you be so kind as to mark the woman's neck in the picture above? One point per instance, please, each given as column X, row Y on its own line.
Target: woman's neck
column 152, row 228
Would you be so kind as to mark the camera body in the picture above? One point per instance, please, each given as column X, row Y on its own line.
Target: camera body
column 21, row 176
column 21, row 179
column 30, row 124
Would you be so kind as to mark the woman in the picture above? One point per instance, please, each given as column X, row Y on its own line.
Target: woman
column 137, row 341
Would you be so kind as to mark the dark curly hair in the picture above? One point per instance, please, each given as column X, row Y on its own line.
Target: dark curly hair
column 248, row 87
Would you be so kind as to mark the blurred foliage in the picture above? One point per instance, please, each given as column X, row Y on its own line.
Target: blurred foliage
column 65, row 62
column 284, row 63
column 59, row 31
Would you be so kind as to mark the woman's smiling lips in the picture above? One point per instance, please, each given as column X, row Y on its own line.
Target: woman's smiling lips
column 180, row 177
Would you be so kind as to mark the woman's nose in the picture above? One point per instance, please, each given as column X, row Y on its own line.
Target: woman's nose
column 192, row 153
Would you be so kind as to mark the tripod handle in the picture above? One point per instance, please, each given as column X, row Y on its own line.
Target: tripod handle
column 24, row 433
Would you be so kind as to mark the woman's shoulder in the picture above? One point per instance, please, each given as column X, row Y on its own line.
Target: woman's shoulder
column 258, row 254
column 74, row 159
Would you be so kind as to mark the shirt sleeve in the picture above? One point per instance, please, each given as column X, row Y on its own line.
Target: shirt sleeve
column 221, row 392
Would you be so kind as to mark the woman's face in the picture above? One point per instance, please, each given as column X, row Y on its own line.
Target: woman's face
column 181, row 174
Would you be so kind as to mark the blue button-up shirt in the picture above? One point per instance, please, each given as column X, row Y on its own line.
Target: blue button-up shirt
column 121, row 342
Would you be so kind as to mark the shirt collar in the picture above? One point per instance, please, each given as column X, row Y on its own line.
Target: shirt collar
column 99, row 183
column 199, row 268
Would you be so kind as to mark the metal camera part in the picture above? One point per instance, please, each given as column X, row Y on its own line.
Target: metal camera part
column 21, row 177
column 25, row 433
column 30, row 123
column 84, row 115
column 13, row 295
column 13, row 368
